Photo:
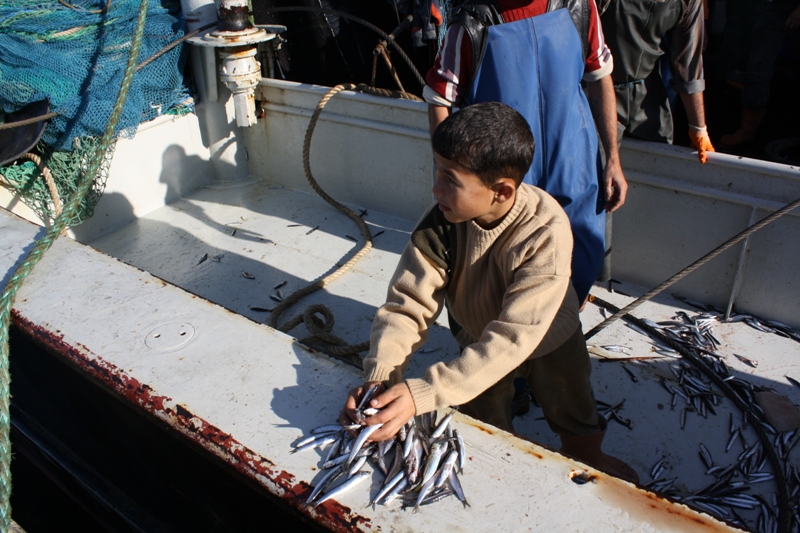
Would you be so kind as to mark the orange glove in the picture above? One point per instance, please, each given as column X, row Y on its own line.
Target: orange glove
column 700, row 141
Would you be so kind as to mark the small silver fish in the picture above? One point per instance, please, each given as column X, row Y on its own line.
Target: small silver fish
column 368, row 396
column 401, row 486
column 615, row 348
column 388, row 487
column 409, row 442
column 317, row 442
column 746, row 361
column 357, row 478
column 432, row 463
column 456, row 484
column 440, row 429
column 423, row 491
column 361, row 439
column 356, row 466
column 324, row 482
column 447, row 466
column 654, row 472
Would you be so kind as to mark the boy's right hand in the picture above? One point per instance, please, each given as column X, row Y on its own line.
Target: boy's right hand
column 396, row 408
column 348, row 415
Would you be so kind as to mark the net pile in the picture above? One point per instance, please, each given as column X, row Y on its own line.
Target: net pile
column 74, row 55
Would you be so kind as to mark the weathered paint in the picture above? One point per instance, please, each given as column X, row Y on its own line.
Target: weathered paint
column 640, row 503
column 280, row 483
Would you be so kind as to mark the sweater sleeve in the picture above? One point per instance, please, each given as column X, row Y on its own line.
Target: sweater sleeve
column 530, row 305
column 415, row 299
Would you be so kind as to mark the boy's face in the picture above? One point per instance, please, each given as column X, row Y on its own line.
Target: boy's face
column 463, row 196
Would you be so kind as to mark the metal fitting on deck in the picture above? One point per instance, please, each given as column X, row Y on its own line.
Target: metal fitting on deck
column 238, row 41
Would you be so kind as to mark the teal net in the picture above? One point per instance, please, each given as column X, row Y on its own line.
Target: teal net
column 74, row 55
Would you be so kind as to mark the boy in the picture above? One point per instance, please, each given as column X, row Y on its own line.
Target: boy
column 497, row 253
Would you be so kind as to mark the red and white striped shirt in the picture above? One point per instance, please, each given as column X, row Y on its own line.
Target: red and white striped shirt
column 448, row 79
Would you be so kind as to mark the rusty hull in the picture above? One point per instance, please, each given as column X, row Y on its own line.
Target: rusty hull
column 277, row 482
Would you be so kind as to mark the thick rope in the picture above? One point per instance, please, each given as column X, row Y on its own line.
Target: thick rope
column 320, row 330
column 786, row 513
column 694, row 266
column 33, row 258
column 48, row 179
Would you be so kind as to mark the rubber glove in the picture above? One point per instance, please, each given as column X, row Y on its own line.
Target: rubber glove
column 700, row 142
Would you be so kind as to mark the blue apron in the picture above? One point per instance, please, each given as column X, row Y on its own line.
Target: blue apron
column 535, row 65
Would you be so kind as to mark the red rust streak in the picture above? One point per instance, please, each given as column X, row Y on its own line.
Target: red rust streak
column 280, row 483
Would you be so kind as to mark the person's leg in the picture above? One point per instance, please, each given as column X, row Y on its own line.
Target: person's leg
column 493, row 406
column 560, row 382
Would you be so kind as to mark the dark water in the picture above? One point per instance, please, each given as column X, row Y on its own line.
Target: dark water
column 86, row 462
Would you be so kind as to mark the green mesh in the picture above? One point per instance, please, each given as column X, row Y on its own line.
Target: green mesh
column 74, row 55
column 67, row 169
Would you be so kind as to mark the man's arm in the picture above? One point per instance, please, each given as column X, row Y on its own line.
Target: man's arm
column 695, row 110
column 436, row 115
column 602, row 101
column 685, row 45
column 698, row 132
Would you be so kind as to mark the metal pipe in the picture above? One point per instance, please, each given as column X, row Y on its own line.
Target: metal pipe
column 737, row 281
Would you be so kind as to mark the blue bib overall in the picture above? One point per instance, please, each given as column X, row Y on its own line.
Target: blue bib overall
column 535, row 66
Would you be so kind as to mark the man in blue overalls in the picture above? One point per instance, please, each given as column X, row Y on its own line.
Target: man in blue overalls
column 531, row 55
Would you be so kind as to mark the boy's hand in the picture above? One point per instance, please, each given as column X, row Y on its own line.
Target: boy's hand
column 348, row 415
column 397, row 407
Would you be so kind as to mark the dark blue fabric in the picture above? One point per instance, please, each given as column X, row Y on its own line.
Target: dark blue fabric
column 535, row 66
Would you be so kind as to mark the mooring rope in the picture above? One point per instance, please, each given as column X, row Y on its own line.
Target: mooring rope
column 32, row 259
column 321, row 330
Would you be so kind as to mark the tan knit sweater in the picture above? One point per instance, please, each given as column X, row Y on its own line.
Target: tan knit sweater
column 507, row 288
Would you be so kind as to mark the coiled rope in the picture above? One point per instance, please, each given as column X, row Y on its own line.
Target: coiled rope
column 33, row 258
column 321, row 329
column 48, row 178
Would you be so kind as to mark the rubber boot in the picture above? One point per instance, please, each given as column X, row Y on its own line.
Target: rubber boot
column 587, row 449
column 751, row 120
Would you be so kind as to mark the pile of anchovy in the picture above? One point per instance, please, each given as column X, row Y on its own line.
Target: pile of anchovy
column 419, row 464
column 727, row 496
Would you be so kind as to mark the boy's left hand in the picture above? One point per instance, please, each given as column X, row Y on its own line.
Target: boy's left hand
column 397, row 408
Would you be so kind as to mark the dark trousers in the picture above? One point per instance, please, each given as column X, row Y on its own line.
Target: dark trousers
column 559, row 381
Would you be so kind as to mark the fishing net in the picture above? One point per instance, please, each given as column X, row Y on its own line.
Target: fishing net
column 74, row 55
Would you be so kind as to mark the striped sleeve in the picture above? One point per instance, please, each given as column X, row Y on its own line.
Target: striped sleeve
column 599, row 62
column 452, row 71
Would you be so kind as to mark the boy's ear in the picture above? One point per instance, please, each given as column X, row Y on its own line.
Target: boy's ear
column 504, row 189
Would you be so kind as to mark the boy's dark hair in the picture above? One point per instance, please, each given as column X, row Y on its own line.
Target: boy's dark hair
column 488, row 139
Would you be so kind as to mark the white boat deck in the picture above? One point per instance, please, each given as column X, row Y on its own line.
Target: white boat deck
column 263, row 229
column 179, row 331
